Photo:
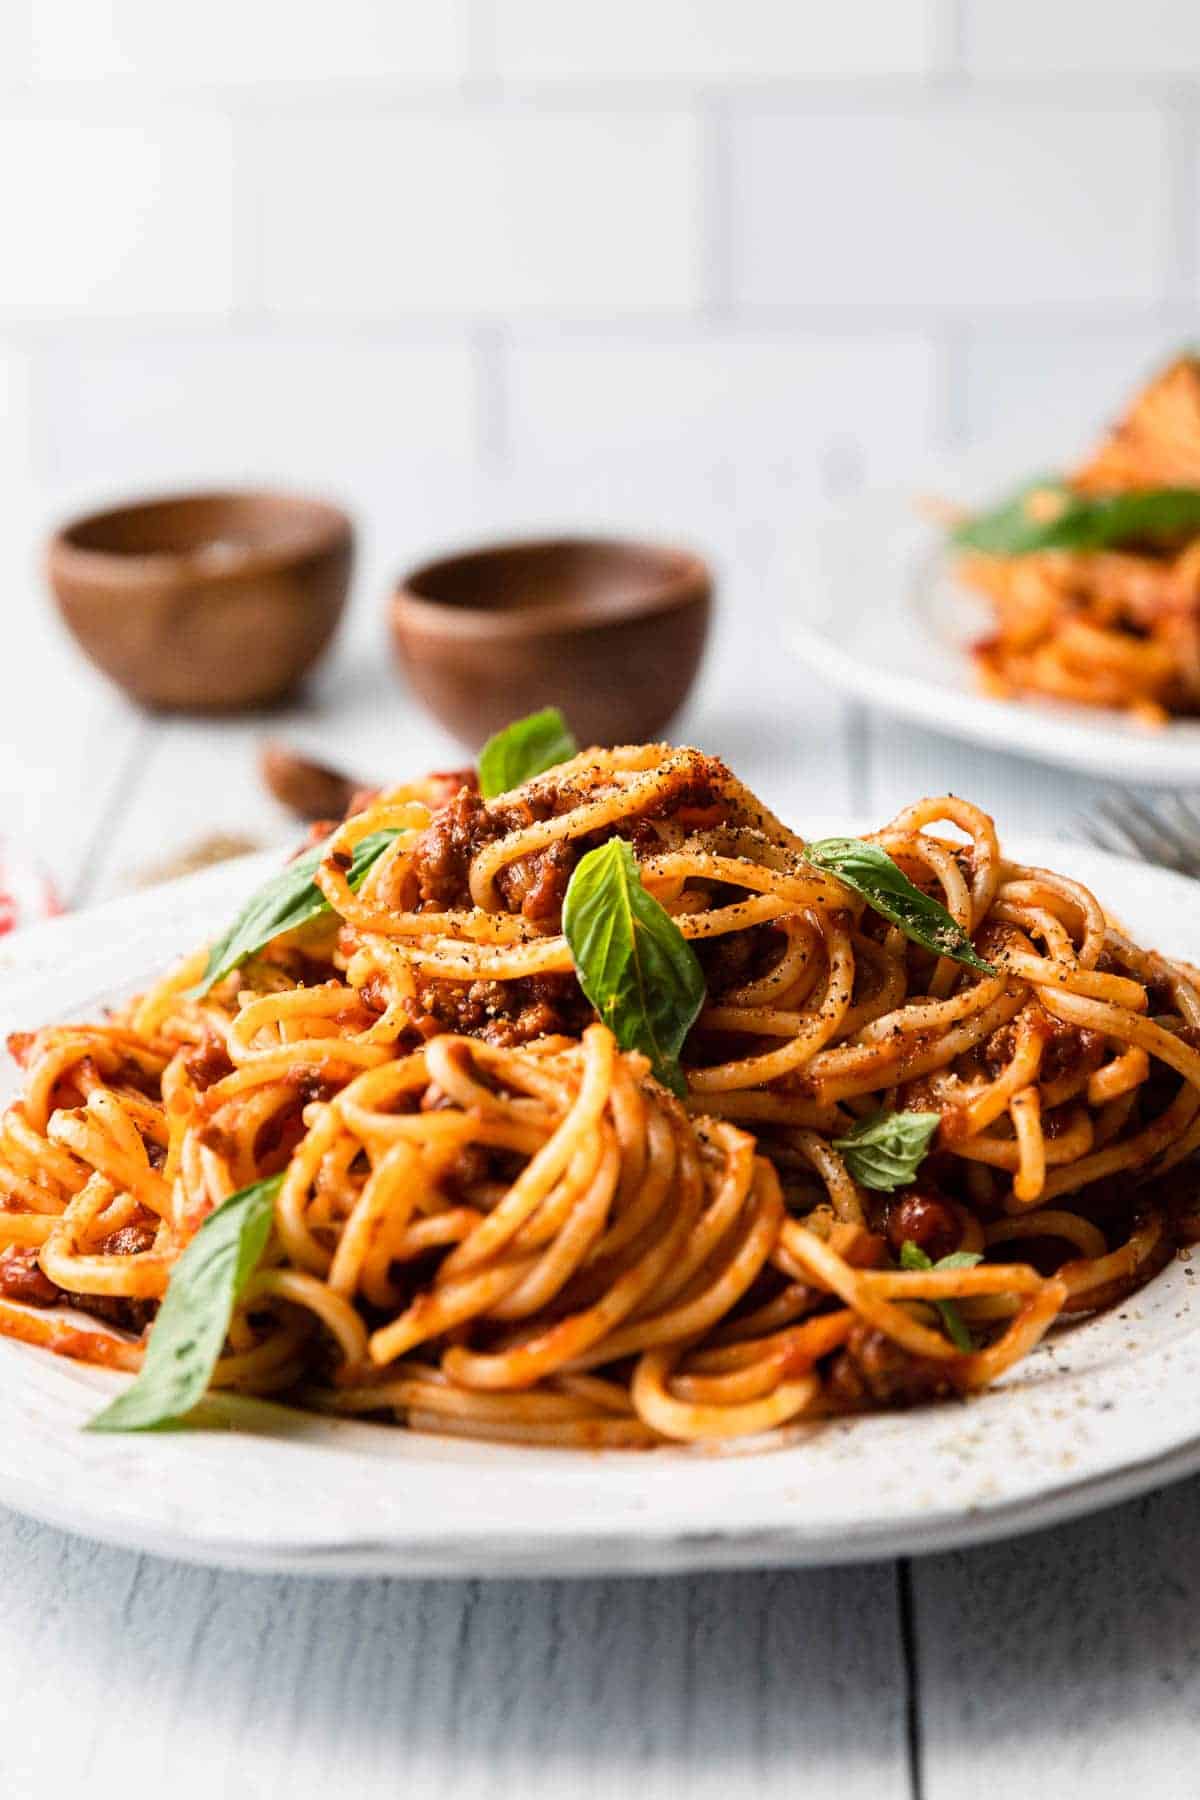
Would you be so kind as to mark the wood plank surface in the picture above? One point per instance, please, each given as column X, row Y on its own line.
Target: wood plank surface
column 121, row 1674
column 1065, row 1664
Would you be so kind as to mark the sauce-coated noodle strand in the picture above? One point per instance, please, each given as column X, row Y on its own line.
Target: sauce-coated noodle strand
column 490, row 1220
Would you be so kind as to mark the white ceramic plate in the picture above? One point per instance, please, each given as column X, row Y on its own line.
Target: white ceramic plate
column 872, row 606
column 1106, row 1410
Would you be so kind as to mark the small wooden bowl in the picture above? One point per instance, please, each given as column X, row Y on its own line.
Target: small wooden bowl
column 612, row 632
column 204, row 602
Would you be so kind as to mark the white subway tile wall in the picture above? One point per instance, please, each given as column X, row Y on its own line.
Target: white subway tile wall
column 230, row 42
column 765, row 403
column 116, row 218
column 478, row 214
column 481, row 263
column 1079, row 37
column 964, row 203
column 710, row 40
column 295, row 407
column 1053, row 389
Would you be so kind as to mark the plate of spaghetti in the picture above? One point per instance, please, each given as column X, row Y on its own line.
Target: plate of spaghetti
column 570, row 1165
column 1075, row 601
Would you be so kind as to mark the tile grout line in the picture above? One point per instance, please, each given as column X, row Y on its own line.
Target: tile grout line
column 478, row 86
column 951, row 406
column 481, row 82
column 716, row 274
column 954, row 39
column 493, row 423
column 912, row 1677
column 748, row 320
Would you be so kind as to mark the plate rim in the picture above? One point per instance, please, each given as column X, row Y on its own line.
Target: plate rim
column 675, row 1543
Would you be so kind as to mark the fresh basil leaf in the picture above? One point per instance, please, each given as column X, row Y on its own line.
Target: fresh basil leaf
column 288, row 900
column 959, row 1259
column 1048, row 516
column 524, row 749
column 1018, row 523
column 870, row 872
column 885, row 1151
column 189, row 1333
column 633, row 962
column 913, row 1257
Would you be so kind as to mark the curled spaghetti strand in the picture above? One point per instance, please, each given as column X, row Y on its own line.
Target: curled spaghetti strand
column 493, row 1222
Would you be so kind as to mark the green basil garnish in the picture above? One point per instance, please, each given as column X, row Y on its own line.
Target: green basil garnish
column 524, row 749
column 633, row 962
column 870, row 872
column 913, row 1257
column 288, row 900
column 885, row 1151
column 1152, row 518
column 189, row 1333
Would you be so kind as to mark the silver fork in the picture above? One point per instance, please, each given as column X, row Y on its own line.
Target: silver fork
column 1164, row 831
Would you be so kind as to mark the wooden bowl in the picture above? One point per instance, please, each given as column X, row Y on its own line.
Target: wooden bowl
column 610, row 631
column 205, row 602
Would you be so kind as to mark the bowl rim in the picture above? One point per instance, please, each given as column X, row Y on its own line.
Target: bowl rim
column 686, row 579
column 322, row 527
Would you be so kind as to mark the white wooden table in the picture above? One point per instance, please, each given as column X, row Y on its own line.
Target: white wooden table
column 1060, row 1665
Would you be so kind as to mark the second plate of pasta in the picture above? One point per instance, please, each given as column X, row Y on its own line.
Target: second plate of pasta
column 873, row 606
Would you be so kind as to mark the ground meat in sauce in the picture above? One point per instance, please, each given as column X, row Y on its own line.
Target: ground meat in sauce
column 147, row 1082
column 873, row 1370
column 504, row 1013
column 209, row 1062
column 536, row 885
column 1160, row 997
column 728, row 961
column 444, row 784
column 127, row 1315
column 128, row 1240
column 374, row 994
column 472, row 1165
column 21, row 1278
column 314, row 1083
column 1068, row 1048
column 925, row 1219
column 132, row 1316
column 441, row 858
column 738, row 958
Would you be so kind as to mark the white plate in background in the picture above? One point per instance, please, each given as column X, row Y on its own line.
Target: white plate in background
column 871, row 605
column 1107, row 1409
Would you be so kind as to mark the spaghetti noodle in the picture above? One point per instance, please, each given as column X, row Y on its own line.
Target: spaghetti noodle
column 490, row 1220
column 1114, row 624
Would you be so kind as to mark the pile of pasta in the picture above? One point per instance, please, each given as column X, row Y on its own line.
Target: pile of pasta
column 490, row 1219
column 1114, row 623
